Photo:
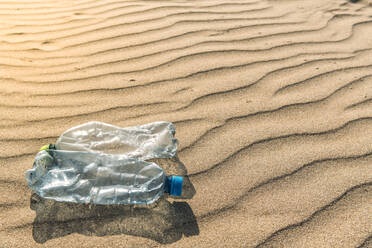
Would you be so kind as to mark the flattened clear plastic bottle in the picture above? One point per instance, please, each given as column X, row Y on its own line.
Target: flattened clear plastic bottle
column 153, row 140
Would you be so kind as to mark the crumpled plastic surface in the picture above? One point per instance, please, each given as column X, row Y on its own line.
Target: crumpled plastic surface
column 153, row 140
column 103, row 164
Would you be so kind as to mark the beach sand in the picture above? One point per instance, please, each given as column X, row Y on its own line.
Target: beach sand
column 272, row 103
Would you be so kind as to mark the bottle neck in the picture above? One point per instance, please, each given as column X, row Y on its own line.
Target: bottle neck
column 167, row 185
column 48, row 147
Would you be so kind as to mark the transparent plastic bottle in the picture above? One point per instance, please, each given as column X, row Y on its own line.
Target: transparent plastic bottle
column 103, row 164
column 153, row 140
column 85, row 177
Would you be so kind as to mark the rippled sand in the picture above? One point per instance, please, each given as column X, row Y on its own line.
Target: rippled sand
column 272, row 102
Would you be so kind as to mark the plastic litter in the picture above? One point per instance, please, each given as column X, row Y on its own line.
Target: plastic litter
column 104, row 164
column 153, row 140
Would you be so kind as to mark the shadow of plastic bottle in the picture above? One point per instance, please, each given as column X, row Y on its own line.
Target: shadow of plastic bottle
column 163, row 221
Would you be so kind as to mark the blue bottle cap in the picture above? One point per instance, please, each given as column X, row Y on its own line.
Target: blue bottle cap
column 174, row 185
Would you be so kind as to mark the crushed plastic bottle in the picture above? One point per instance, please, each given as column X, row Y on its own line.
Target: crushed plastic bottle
column 85, row 177
column 153, row 140
column 85, row 166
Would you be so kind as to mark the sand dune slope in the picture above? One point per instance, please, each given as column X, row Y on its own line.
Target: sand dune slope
column 272, row 102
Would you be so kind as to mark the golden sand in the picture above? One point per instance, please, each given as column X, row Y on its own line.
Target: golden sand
column 272, row 102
